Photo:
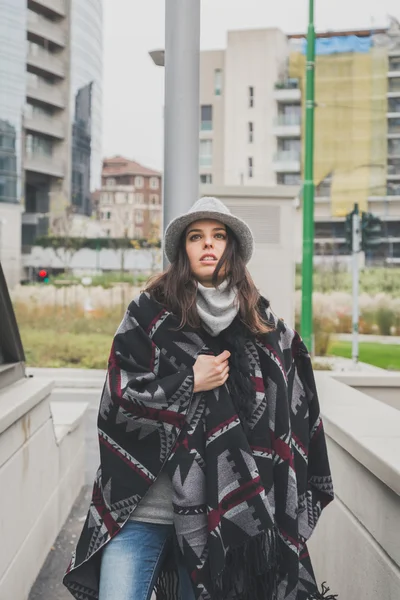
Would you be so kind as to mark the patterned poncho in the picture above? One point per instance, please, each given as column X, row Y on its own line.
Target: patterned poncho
column 248, row 486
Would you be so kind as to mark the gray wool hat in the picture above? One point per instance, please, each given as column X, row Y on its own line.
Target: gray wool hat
column 208, row 208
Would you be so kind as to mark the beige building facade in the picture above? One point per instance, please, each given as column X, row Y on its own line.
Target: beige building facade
column 130, row 200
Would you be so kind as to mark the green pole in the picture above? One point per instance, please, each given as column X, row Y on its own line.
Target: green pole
column 308, row 190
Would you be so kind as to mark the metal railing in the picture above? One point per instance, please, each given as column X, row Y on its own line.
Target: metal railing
column 206, row 126
column 287, row 84
column 287, row 156
column 288, row 120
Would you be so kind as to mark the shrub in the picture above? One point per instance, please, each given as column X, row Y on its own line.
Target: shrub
column 385, row 319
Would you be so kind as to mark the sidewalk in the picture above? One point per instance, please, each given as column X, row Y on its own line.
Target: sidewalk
column 48, row 585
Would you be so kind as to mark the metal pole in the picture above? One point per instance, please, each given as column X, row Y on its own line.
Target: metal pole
column 308, row 190
column 182, row 107
column 356, row 246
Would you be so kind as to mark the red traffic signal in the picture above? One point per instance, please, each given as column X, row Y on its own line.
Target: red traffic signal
column 43, row 276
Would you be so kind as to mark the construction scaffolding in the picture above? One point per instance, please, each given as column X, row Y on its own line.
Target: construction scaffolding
column 350, row 118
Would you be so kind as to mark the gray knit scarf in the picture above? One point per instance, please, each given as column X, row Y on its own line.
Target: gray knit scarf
column 217, row 307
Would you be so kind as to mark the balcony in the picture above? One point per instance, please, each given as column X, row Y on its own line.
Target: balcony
column 52, row 8
column 51, row 126
column 394, row 128
column 287, row 90
column 45, row 165
column 45, row 93
column 394, row 87
column 394, row 151
column 41, row 29
column 393, row 190
column 393, row 172
column 287, row 161
column 44, row 63
column 287, row 125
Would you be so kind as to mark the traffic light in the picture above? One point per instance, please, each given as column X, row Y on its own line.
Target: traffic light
column 371, row 231
column 43, row 276
column 348, row 231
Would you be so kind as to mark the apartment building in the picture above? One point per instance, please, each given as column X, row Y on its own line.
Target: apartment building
column 130, row 200
column 50, row 109
column 237, row 143
column 251, row 130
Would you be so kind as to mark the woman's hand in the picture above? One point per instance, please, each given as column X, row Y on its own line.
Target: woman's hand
column 210, row 372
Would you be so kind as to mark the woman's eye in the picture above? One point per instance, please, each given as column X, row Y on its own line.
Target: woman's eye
column 221, row 236
column 194, row 237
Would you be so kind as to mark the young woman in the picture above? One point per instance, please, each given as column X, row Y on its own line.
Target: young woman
column 214, row 468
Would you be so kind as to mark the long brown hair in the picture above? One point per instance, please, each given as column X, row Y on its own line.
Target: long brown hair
column 176, row 287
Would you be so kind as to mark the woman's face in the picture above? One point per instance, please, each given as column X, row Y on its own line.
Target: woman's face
column 205, row 243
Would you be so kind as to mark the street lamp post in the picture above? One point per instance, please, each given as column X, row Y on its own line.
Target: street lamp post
column 308, row 190
column 182, row 106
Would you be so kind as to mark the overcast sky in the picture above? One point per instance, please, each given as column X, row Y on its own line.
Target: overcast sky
column 134, row 88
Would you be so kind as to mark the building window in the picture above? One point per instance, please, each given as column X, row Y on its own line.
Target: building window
column 206, row 117
column 218, row 82
column 139, row 182
column 206, row 153
column 154, row 184
column 250, row 167
column 251, row 96
column 104, row 198
column 206, row 178
column 154, row 199
column 139, row 198
column 131, row 198
column 251, row 132
column 110, row 182
column 139, row 217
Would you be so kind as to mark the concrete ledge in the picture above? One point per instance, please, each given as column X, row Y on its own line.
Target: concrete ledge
column 356, row 547
column 383, row 386
column 369, row 430
column 20, row 398
column 67, row 416
column 42, row 472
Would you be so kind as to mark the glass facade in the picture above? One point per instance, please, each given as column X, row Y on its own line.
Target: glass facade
column 81, row 150
column 13, row 14
column 86, row 99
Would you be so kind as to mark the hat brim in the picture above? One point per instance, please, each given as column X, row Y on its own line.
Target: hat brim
column 176, row 228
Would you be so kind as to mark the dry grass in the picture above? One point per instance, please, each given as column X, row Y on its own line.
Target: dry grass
column 57, row 337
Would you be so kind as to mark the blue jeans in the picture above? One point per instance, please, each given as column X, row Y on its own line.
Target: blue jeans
column 132, row 560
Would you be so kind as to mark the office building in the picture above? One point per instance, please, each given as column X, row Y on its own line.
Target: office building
column 50, row 112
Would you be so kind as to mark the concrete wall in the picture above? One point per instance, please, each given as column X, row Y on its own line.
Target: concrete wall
column 270, row 213
column 356, row 546
column 10, row 242
column 41, row 474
